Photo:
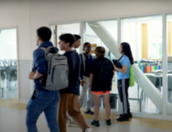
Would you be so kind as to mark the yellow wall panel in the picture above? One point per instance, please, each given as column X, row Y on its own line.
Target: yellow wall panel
column 145, row 41
column 169, row 38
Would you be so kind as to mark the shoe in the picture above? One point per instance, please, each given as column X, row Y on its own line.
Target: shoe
column 108, row 122
column 123, row 118
column 89, row 112
column 120, row 115
column 68, row 120
column 71, row 123
column 95, row 123
column 89, row 130
column 130, row 115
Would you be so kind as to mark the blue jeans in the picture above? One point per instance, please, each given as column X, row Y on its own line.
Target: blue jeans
column 43, row 101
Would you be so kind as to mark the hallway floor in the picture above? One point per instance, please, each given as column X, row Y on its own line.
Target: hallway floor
column 13, row 120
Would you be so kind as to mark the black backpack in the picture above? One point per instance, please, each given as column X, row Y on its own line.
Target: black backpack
column 104, row 72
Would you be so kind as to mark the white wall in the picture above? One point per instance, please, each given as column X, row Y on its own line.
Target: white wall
column 29, row 15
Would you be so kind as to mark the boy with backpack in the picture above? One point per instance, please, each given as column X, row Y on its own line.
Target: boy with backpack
column 69, row 97
column 43, row 99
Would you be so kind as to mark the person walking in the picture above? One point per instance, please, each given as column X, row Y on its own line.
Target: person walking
column 69, row 97
column 42, row 100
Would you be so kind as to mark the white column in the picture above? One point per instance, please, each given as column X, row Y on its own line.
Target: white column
column 164, row 61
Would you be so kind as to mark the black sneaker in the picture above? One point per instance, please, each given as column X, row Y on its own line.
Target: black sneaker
column 95, row 123
column 123, row 118
column 108, row 122
column 130, row 115
column 121, row 115
column 89, row 112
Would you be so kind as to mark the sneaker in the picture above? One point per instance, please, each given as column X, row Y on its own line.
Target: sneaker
column 95, row 123
column 68, row 120
column 89, row 112
column 89, row 130
column 71, row 123
column 130, row 115
column 123, row 118
column 108, row 122
column 120, row 115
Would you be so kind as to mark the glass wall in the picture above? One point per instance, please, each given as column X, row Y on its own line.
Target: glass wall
column 62, row 29
column 8, row 64
column 144, row 34
column 169, row 61
column 94, row 34
column 145, row 38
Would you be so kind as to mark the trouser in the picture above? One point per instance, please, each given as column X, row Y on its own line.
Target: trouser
column 70, row 103
column 84, row 93
column 43, row 101
column 123, row 86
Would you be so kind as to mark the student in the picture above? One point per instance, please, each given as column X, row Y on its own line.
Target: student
column 86, row 61
column 69, row 97
column 77, row 42
column 42, row 100
column 101, row 75
column 123, row 75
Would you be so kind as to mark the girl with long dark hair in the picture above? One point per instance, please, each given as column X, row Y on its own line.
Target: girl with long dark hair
column 123, row 75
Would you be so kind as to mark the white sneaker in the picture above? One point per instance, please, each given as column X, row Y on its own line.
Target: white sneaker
column 89, row 130
column 68, row 120
column 71, row 123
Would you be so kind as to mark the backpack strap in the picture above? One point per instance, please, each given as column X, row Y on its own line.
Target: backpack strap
column 47, row 50
column 83, row 59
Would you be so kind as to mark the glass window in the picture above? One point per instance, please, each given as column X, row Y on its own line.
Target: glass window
column 64, row 28
column 97, row 33
column 145, row 38
column 155, row 39
column 8, row 64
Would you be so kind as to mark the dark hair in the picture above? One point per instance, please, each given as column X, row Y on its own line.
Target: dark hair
column 126, row 50
column 100, row 51
column 85, row 44
column 77, row 37
column 68, row 38
column 44, row 33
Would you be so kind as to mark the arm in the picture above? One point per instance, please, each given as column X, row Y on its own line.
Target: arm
column 81, row 73
column 122, row 70
column 40, row 65
column 91, row 79
column 35, row 75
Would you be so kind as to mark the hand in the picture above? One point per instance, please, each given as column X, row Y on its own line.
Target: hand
column 82, row 83
column 31, row 75
column 90, row 87
column 115, row 67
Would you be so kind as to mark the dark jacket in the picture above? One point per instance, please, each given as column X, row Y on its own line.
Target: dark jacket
column 98, row 86
column 74, row 62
